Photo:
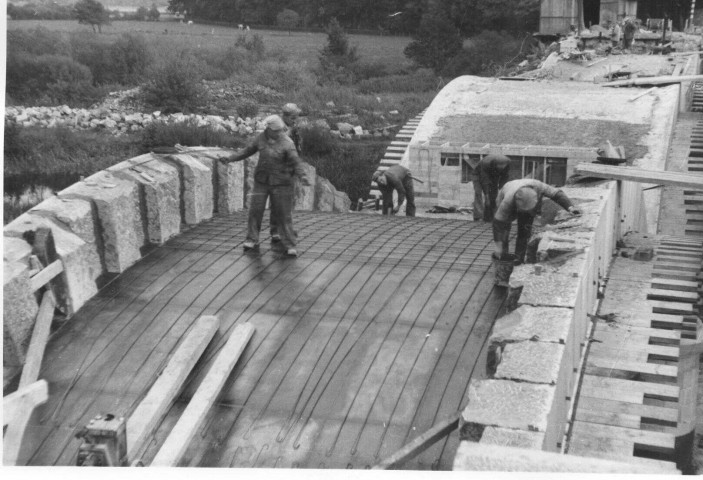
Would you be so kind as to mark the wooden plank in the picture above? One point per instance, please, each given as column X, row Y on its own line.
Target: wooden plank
column 661, row 80
column 154, row 406
column 631, row 332
column 40, row 334
column 674, row 284
column 644, row 437
column 192, row 418
column 17, row 409
column 46, row 275
column 672, row 295
column 619, row 384
column 628, row 408
column 420, row 443
column 634, row 174
column 597, row 365
column 675, row 308
column 601, row 417
column 627, row 350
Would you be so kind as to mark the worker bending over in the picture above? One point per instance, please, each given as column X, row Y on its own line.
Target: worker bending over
column 522, row 200
column 396, row 178
column 489, row 176
column 273, row 177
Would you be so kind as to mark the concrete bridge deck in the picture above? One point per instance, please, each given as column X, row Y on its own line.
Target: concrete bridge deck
column 363, row 342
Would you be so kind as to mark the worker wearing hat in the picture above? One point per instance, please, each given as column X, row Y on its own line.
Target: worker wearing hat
column 290, row 113
column 396, row 178
column 522, row 200
column 273, row 177
column 489, row 176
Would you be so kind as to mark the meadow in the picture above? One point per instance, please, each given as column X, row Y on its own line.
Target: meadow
column 302, row 46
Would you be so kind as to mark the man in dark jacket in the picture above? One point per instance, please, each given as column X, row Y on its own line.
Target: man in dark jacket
column 273, row 177
column 396, row 178
column 522, row 200
column 489, row 176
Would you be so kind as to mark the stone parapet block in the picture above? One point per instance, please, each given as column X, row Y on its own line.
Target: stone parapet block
column 506, row 404
column 119, row 213
column 81, row 260
column 512, row 438
column 74, row 214
column 197, row 193
column 20, row 310
column 535, row 362
column 160, row 188
column 324, row 195
column 16, row 250
column 230, row 188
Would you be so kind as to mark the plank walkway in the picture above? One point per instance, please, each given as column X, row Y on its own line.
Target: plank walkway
column 362, row 343
column 633, row 401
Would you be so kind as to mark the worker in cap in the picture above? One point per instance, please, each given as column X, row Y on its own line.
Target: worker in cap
column 522, row 200
column 489, row 176
column 396, row 178
column 290, row 113
column 273, row 178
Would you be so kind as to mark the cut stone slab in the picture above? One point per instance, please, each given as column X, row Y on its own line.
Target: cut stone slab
column 555, row 286
column 535, row 362
column 512, row 438
column 231, row 179
column 305, row 196
column 81, row 260
column 324, row 195
column 515, row 405
column 119, row 214
column 75, row 214
column 160, row 183
column 16, row 250
column 545, row 324
column 197, row 195
column 20, row 310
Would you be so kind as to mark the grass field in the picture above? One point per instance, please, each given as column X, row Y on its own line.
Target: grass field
column 304, row 46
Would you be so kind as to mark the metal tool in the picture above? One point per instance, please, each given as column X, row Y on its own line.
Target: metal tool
column 104, row 442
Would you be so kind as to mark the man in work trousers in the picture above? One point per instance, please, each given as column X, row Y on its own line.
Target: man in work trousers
column 522, row 200
column 489, row 176
column 273, row 177
column 396, row 178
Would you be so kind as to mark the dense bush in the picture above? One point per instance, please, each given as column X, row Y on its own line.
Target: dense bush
column 122, row 61
column 187, row 133
column 43, row 11
column 39, row 41
column 174, row 84
column 338, row 59
column 253, row 43
column 49, row 79
column 317, row 141
column 247, row 108
column 488, row 54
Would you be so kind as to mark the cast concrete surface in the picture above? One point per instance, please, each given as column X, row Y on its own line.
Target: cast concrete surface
column 363, row 342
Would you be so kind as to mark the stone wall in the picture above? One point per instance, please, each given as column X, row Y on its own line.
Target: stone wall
column 103, row 224
column 534, row 351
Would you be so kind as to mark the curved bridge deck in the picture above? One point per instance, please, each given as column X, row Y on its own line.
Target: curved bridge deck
column 363, row 342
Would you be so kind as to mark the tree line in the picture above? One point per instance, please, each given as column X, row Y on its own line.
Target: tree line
column 469, row 17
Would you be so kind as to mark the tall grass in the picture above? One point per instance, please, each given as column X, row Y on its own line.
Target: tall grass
column 16, row 205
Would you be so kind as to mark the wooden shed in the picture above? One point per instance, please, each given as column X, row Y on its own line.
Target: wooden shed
column 557, row 16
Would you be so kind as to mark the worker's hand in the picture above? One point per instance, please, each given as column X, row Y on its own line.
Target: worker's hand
column 396, row 210
column 305, row 181
column 575, row 211
column 223, row 160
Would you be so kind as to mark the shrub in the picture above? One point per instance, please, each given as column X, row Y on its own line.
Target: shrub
column 175, row 84
column 337, row 59
column 436, row 41
column 130, row 58
column 422, row 80
column 49, row 78
column 366, row 70
column 316, row 141
column 247, row 108
column 282, row 76
column 253, row 43
column 186, row 133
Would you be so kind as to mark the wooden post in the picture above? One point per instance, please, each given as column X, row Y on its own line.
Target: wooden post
column 195, row 413
column 153, row 407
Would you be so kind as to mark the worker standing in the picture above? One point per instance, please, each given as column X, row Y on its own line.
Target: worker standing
column 273, row 177
column 396, row 178
column 489, row 176
column 522, row 200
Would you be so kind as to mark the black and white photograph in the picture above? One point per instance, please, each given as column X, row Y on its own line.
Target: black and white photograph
column 353, row 238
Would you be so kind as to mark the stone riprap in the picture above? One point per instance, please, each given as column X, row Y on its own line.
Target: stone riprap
column 102, row 224
column 534, row 350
